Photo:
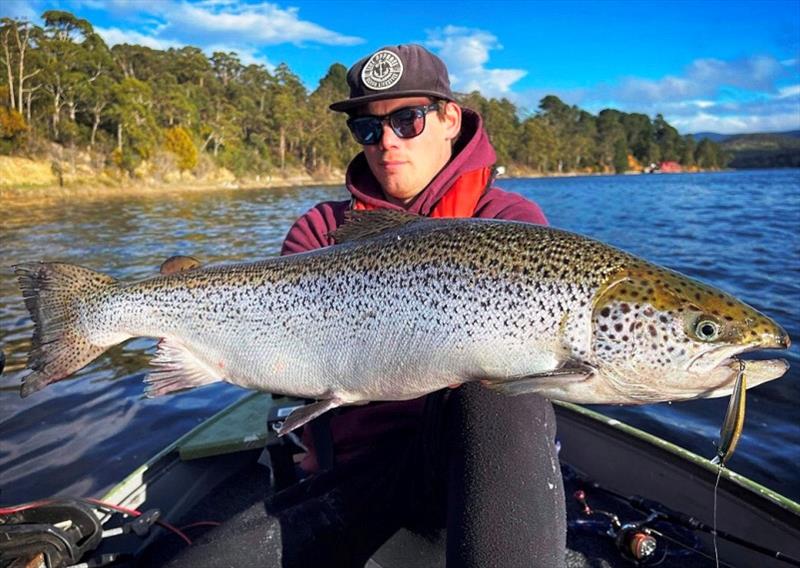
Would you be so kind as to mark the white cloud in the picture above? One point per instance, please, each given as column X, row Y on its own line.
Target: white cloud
column 262, row 23
column 247, row 56
column 702, row 78
column 20, row 10
column 790, row 91
column 742, row 95
column 115, row 36
column 466, row 53
column 735, row 124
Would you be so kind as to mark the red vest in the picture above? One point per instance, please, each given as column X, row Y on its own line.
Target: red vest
column 460, row 200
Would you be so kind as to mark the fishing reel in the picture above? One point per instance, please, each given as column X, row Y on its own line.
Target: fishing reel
column 635, row 541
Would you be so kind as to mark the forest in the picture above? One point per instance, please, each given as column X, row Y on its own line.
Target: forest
column 62, row 87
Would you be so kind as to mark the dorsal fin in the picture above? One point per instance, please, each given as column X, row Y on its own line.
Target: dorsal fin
column 365, row 224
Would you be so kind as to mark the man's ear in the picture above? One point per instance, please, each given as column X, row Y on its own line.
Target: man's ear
column 452, row 120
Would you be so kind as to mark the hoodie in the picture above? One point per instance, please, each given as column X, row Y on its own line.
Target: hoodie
column 356, row 430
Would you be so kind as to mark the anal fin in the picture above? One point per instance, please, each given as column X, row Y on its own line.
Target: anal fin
column 307, row 413
column 538, row 382
column 177, row 369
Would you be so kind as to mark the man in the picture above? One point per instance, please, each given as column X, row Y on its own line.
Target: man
column 424, row 154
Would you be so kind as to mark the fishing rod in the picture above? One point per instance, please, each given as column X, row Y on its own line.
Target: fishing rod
column 658, row 511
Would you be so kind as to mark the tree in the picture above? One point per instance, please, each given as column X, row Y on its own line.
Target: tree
column 63, row 61
column 537, row 149
column 707, row 155
column 667, row 138
column 15, row 38
column 137, row 133
column 610, row 139
column 620, row 156
column 179, row 142
column 330, row 142
column 289, row 103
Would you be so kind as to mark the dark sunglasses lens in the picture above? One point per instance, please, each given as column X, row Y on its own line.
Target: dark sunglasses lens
column 366, row 130
column 407, row 122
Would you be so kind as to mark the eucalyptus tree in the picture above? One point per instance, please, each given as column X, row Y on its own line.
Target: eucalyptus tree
column 63, row 50
column 667, row 138
column 640, row 135
column 537, row 145
column 136, row 128
column 15, row 37
column 289, row 114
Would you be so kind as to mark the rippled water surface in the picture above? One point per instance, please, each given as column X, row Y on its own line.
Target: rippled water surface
column 737, row 230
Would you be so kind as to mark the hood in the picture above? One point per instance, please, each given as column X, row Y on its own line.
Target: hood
column 472, row 151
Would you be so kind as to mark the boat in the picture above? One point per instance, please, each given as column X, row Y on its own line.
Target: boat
column 633, row 499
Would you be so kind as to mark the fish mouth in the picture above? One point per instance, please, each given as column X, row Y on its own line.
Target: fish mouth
column 723, row 354
column 722, row 364
column 756, row 371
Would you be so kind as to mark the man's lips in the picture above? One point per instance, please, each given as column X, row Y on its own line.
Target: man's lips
column 391, row 164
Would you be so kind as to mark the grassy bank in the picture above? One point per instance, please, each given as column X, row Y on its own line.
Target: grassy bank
column 24, row 180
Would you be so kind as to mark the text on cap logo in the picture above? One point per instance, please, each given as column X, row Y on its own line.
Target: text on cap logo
column 382, row 71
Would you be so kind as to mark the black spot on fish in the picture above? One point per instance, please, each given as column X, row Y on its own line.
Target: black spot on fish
column 605, row 312
column 618, row 326
column 625, row 308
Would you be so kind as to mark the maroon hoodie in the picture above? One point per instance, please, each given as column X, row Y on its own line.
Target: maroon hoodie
column 355, row 430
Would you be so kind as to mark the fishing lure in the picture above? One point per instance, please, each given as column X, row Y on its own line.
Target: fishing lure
column 733, row 424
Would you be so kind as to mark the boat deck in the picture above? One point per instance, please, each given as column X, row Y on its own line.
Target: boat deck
column 212, row 474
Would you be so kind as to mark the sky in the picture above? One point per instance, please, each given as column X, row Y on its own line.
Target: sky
column 720, row 66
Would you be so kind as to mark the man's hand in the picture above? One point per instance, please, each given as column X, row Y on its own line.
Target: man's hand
column 178, row 264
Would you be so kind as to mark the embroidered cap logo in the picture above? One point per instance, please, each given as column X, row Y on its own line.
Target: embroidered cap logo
column 382, row 71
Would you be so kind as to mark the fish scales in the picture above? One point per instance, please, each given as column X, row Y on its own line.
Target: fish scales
column 412, row 296
column 414, row 308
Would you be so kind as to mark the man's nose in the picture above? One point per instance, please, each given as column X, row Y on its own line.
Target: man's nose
column 388, row 137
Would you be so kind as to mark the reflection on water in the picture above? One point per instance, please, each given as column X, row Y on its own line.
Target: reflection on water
column 734, row 230
column 85, row 433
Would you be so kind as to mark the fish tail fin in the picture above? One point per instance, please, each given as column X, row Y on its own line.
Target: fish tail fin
column 59, row 346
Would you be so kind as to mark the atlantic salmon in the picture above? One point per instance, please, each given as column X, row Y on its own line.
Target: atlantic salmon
column 402, row 306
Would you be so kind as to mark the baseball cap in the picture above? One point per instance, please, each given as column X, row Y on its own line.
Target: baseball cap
column 396, row 71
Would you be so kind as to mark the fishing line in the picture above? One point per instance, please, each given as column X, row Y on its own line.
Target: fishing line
column 729, row 436
column 714, row 534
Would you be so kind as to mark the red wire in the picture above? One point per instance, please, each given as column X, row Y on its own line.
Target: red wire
column 176, row 530
column 131, row 512
column 25, row 507
column 125, row 510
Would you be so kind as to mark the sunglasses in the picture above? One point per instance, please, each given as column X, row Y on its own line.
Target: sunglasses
column 406, row 122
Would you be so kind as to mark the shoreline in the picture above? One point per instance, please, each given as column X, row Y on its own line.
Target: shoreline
column 21, row 195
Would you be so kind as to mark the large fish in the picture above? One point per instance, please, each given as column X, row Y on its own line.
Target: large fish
column 404, row 306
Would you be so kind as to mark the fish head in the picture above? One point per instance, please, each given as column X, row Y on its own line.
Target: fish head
column 658, row 335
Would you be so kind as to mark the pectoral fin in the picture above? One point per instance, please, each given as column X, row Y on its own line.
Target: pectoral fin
column 177, row 368
column 307, row 413
column 539, row 382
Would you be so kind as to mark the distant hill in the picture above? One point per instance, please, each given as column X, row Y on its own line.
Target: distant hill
column 717, row 137
column 763, row 150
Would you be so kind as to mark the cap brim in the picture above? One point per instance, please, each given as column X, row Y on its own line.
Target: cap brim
column 349, row 104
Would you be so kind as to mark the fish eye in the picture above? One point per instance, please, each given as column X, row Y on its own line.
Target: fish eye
column 706, row 330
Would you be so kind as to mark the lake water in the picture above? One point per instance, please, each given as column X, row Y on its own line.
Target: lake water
column 736, row 230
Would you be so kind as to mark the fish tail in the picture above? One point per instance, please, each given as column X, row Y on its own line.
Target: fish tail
column 53, row 293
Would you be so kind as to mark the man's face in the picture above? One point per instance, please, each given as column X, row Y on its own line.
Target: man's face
column 405, row 166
